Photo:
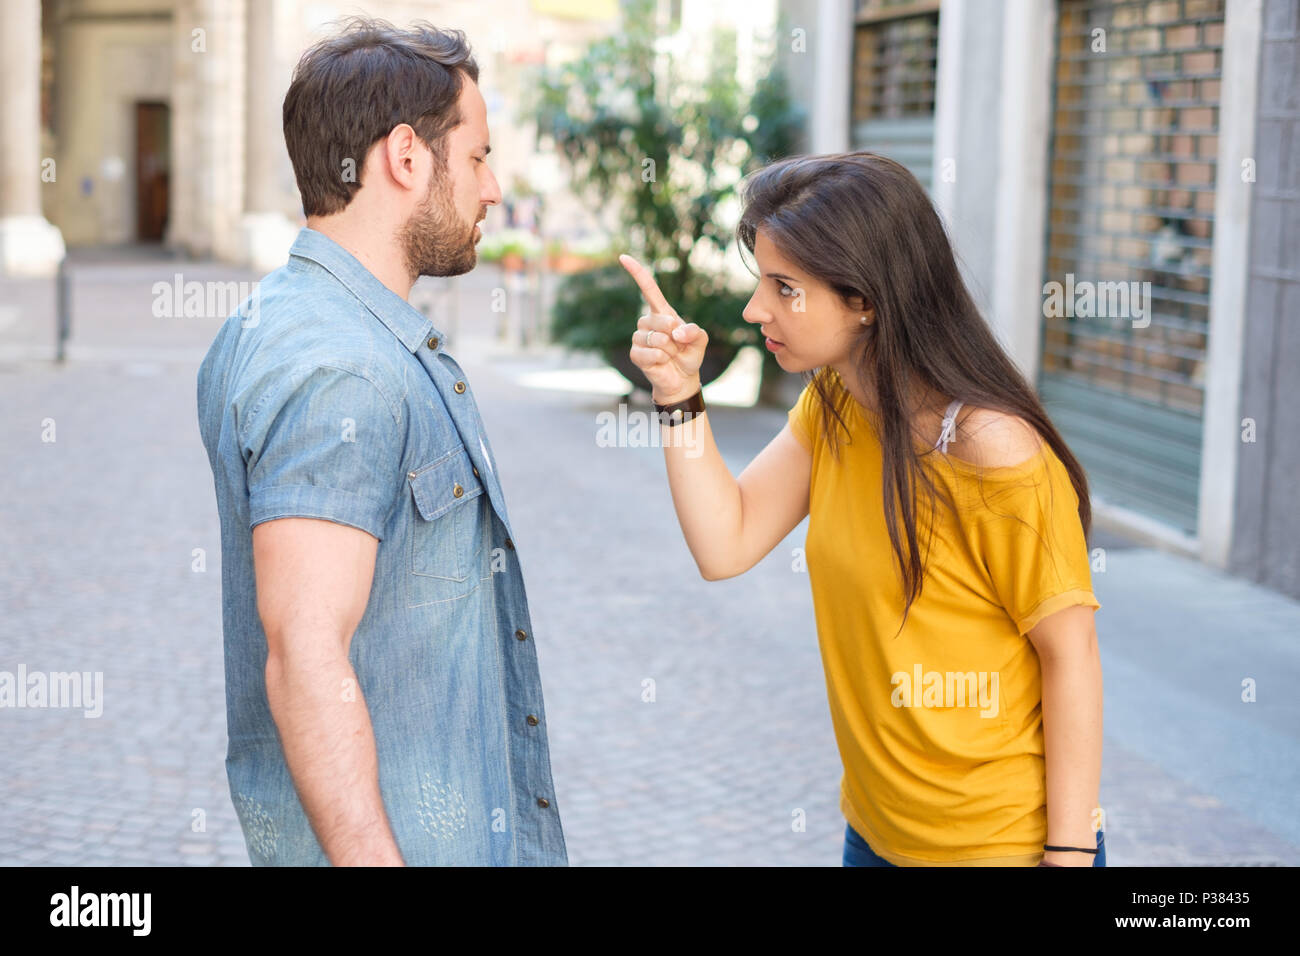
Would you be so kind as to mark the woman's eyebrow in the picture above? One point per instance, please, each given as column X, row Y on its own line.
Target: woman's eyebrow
column 781, row 276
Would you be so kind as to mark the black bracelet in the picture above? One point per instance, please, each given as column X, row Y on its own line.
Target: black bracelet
column 1076, row 849
column 682, row 411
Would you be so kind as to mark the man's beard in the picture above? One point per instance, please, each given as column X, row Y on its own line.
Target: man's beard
column 435, row 239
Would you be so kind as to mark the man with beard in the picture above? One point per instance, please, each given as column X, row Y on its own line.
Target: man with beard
column 382, row 694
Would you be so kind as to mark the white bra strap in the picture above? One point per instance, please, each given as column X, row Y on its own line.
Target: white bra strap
column 949, row 430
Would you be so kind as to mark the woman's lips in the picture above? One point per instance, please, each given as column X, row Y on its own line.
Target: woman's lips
column 773, row 345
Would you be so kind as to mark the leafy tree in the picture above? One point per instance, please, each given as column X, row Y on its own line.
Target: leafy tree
column 667, row 147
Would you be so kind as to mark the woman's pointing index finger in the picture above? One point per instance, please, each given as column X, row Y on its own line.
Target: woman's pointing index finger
column 646, row 282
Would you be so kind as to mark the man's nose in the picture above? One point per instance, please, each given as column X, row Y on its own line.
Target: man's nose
column 491, row 194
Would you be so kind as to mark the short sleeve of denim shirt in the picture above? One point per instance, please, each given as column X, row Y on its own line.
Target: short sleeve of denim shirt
column 324, row 443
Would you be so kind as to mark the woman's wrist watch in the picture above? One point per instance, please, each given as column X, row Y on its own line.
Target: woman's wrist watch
column 683, row 411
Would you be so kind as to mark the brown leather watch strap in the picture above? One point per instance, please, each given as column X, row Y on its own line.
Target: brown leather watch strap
column 682, row 411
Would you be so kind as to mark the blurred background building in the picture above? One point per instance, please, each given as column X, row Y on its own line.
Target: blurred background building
column 159, row 120
column 1124, row 141
column 1148, row 141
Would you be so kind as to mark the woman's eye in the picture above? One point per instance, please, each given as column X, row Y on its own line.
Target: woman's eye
column 785, row 290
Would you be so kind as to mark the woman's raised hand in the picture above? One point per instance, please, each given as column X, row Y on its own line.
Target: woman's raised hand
column 668, row 350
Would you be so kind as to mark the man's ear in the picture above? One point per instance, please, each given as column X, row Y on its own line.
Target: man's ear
column 399, row 153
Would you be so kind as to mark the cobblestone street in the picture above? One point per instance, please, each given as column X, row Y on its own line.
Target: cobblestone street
column 111, row 562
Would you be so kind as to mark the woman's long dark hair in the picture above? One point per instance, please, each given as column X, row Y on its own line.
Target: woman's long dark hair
column 862, row 224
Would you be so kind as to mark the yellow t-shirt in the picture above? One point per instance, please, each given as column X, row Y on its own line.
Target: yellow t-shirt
column 939, row 728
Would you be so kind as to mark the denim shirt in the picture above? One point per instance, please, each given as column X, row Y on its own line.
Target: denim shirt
column 327, row 395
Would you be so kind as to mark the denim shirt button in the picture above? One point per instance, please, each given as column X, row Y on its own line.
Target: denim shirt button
column 460, row 388
column 543, row 802
column 521, row 634
column 532, row 720
column 457, row 491
column 433, row 342
column 475, row 472
column 510, row 545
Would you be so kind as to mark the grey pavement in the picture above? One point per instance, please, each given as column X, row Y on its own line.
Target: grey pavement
column 688, row 719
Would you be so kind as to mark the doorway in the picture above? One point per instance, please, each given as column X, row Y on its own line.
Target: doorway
column 152, row 138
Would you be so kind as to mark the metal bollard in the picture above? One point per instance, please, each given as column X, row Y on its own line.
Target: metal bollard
column 63, row 293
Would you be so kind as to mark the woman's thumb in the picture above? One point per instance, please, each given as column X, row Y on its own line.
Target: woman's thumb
column 686, row 333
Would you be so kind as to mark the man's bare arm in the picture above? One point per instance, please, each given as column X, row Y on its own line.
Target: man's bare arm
column 313, row 583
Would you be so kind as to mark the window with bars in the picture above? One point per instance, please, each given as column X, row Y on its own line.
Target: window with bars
column 1131, row 205
column 895, row 52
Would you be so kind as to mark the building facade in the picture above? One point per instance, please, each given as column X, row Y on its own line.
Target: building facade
column 1120, row 183
column 159, row 120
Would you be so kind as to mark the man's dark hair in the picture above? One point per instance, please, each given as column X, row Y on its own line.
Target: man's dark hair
column 349, row 90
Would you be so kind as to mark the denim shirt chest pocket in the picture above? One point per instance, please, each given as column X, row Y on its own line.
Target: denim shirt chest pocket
column 445, row 540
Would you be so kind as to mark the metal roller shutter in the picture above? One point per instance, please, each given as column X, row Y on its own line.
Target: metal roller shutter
column 1131, row 212
column 895, row 50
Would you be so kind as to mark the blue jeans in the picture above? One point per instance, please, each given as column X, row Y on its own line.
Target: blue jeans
column 857, row 853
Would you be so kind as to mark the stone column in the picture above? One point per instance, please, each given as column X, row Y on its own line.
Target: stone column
column 992, row 123
column 267, row 231
column 208, row 128
column 832, row 52
column 183, row 191
column 29, row 245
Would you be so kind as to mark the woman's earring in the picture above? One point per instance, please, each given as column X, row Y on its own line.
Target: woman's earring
column 864, row 320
